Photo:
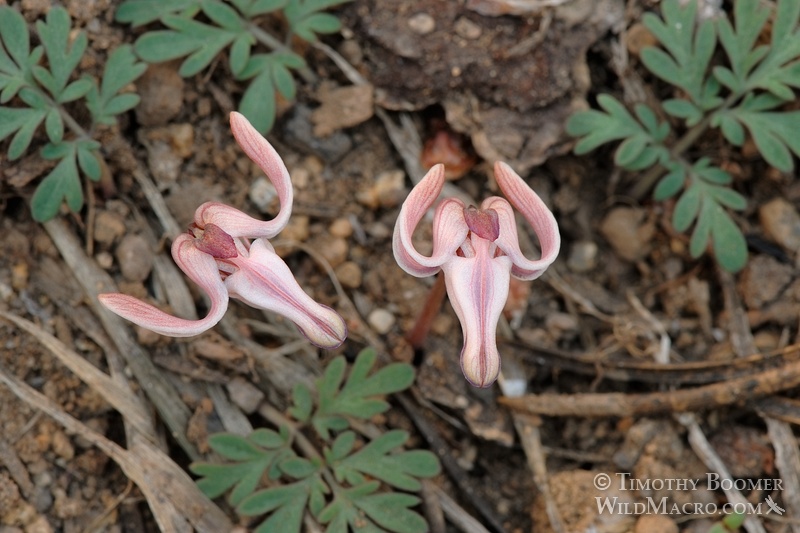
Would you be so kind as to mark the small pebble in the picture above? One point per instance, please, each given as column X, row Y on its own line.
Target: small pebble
column 582, row 256
column 654, row 523
column 161, row 90
column 763, row 280
column 334, row 250
column 421, row 23
column 381, row 321
column 262, row 193
column 638, row 38
column 297, row 229
column 108, row 227
column 388, row 190
column 19, row 276
column 781, row 223
column 135, row 258
column 301, row 177
column 62, row 446
column 349, row 275
column 629, row 232
column 341, row 227
column 105, row 260
column 245, row 395
column 467, row 29
column 561, row 322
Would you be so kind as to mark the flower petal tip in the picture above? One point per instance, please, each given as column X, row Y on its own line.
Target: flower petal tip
column 330, row 331
column 481, row 374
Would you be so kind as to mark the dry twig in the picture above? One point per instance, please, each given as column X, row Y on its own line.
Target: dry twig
column 740, row 390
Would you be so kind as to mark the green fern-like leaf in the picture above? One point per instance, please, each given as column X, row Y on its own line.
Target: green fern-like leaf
column 705, row 201
column 285, row 503
column 642, row 138
column 359, row 397
column 306, row 19
column 689, row 47
column 140, row 12
column 63, row 53
column 779, row 71
column 254, row 456
column 774, row 132
column 121, row 69
column 399, row 470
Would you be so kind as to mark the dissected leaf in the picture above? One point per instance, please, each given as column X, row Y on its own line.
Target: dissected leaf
column 89, row 159
column 306, row 21
column 14, row 34
column 342, row 511
column 705, row 201
column 218, row 478
column 121, row 69
column 286, row 503
column 779, row 71
column 391, row 511
column 398, row 469
column 689, row 47
column 641, row 147
column 62, row 184
column 670, row 184
column 139, row 12
column 267, row 438
column 63, row 53
column 16, row 58
column 683, row 109
column 357, row 397
column 738, row 40
column 234, row 447
column 240, row 52
column 298, row 467
column 253, row 8
column 201, row 42
column 303, row 404
column 775, row 135
column 23, row 121
column 255, row 456
column 223, row 15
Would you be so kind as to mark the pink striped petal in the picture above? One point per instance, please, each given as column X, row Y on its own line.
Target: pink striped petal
column 478, row 289
column 449, row 227
column 233, row 221
column 265, row 281
column 535, row 212
column 203, row 270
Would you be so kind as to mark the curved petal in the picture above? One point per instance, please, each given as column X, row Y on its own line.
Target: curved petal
column 265, row 281
column 478, row 289
column 535, row 212
column 202, row 269
column 449, row 227
column 234, row 222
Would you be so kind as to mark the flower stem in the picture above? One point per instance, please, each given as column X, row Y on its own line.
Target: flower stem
column 416, row 338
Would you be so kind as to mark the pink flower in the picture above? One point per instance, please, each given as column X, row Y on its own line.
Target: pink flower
column 226, row 252
column 478, row 250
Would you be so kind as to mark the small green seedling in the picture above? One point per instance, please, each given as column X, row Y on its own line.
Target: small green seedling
column 39, row 87
column 745, row 93
column 730, row 524
column 200, row 29
column 363, row 486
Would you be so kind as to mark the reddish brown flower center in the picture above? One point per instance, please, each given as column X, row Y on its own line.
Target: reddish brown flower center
column 483, row 222
column 215, row 242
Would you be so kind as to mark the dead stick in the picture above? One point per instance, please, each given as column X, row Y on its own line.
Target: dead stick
column 739, row 390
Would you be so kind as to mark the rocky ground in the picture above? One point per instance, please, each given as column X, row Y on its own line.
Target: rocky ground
column 415, row 83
